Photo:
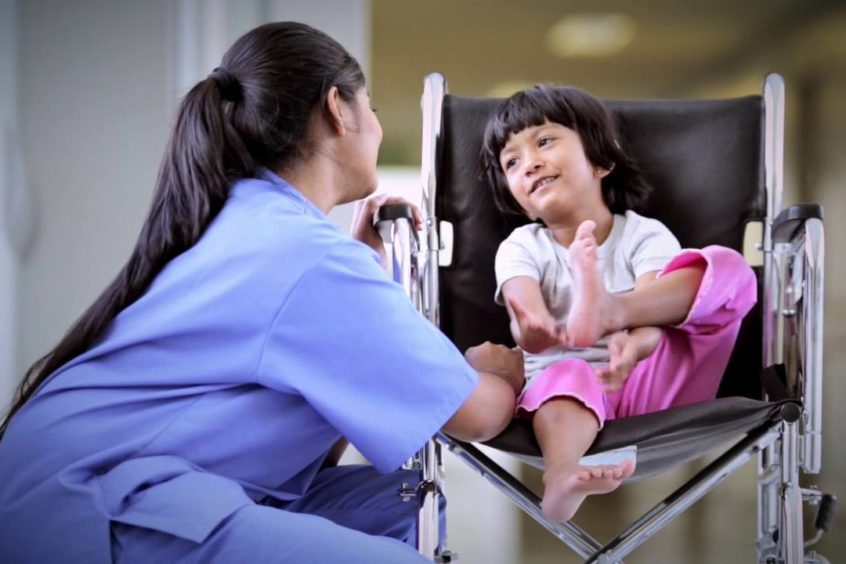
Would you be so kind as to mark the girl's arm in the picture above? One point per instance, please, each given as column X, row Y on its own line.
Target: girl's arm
column 532, row 326
column 645, row 279
column 645, row 341
column 627, row 348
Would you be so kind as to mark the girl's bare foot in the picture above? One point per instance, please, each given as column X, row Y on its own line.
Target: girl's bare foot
column 592, row 314
column 565, row 489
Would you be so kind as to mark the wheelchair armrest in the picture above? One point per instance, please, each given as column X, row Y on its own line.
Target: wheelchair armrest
column 791, row 219
column 799, row 250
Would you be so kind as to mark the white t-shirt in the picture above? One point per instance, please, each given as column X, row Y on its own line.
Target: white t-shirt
column 636, row 245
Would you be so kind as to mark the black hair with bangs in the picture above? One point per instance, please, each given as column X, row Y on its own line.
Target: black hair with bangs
column 624, row 188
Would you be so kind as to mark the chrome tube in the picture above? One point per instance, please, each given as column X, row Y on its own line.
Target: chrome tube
column 773, row 287
column 428, row 494
column 791, row 541
column 434, row 90
column 773, row 169
column 769, row 479
column 812, row 358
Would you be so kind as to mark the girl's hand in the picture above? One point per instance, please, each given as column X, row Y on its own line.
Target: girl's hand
column 535, row 332
column 362, row 224
column 624, row 357
column 500, row 361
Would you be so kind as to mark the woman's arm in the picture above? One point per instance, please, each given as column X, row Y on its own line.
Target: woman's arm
column 486, row 413
column 490, row 408
column 627, row 348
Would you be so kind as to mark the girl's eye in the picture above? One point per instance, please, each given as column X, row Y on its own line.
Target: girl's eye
column 509, row 163
column 544, row 141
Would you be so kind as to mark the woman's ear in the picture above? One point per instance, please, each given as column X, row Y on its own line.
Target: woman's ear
column 335, row 109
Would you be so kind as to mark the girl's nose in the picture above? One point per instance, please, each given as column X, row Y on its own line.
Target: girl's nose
column 533, row 164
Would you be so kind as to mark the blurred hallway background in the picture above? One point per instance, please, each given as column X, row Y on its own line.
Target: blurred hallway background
column 87, row 94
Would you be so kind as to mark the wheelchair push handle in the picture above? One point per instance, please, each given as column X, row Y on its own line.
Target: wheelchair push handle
column 386, row 215
column 790, row 220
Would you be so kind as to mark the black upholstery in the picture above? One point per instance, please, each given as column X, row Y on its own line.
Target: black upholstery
column 703, row 159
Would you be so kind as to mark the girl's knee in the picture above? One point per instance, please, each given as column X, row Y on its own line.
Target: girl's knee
column 729, row 268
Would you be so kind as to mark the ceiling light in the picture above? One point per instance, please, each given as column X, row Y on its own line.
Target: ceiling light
column 590, row 35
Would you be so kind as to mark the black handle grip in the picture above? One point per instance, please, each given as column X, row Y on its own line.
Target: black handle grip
column 391, row 212
column 792, row 218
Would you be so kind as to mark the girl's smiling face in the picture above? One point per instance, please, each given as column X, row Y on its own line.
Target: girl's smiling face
column 549, row 174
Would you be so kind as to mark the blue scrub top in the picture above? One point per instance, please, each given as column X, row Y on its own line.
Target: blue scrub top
column 249, row 356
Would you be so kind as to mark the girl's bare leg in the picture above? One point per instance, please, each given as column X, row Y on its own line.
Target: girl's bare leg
column 565, row 429
column 596, row 312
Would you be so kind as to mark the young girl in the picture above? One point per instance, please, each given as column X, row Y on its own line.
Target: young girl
column 613, row 317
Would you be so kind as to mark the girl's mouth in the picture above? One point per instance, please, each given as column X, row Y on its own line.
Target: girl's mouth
column 541, row 182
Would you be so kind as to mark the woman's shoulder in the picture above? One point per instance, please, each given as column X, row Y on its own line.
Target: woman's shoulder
column 272, row 234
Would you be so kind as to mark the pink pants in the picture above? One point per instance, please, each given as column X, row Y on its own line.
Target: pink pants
column 690, row 359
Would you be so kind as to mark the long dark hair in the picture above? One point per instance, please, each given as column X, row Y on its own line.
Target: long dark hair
column 624, row 188
column 251, row 113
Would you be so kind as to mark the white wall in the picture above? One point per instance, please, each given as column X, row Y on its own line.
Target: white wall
column 94, row 123
column 11, row 188
column 348, row 22
column 99, row 83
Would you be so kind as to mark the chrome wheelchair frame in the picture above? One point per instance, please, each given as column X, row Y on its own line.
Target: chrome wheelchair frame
column 787, row 442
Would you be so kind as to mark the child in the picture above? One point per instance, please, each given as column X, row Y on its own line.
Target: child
column 613, row 317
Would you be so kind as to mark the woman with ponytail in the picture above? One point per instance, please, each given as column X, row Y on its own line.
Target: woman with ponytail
column 196, row 410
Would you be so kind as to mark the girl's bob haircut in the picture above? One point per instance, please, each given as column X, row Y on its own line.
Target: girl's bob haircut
column 624, row 188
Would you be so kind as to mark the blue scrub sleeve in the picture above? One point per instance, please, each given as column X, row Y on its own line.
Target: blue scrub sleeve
column 349, row 341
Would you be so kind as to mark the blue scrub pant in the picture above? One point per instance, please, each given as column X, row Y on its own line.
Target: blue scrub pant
column 350, row 514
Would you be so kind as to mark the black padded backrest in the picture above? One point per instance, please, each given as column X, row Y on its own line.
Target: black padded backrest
column 702, row 158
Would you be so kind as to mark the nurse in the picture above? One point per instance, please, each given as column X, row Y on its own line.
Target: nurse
column 195, row 411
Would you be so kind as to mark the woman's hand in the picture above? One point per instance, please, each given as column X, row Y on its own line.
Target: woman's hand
column 362, row 224
column 498, row 360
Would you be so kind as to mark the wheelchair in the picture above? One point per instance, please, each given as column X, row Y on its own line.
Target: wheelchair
column 715, row 167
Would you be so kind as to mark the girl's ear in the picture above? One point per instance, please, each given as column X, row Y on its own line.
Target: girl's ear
column 600, row 172
column 335, row 109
